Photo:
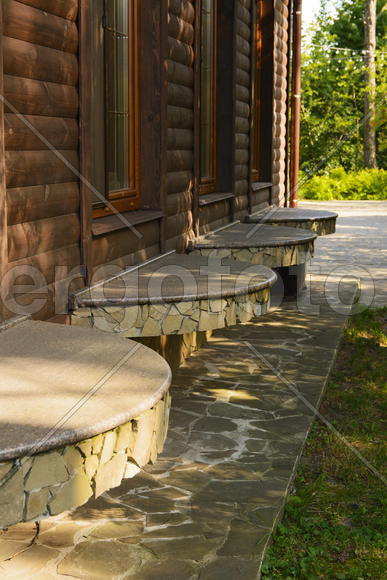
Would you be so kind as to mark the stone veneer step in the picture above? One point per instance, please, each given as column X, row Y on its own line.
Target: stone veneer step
column 176, row 294
column 319, row 221
column 271, row 246
column 79, row 411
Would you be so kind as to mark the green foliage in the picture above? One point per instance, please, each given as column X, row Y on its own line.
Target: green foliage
column 365, row 184
column 332, row 107
column 334, row 525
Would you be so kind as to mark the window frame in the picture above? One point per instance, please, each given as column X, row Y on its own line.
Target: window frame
column 208, row 184
column 256, row 160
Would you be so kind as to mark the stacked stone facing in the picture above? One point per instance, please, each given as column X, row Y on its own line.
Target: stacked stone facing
column 46, row 484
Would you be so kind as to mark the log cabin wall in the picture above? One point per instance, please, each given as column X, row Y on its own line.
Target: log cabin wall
column 40, row 77
column 280, row 100
column 180, row 123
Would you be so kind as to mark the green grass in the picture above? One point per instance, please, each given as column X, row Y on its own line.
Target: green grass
column 361, row 185
column 334, row 523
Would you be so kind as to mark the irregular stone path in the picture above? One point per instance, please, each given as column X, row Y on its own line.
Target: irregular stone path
column 207, row 508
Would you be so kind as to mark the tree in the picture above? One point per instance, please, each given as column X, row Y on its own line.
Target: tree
column 332, row 111
column 370, row 84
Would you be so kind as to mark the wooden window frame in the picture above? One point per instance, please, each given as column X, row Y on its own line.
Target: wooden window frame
column 128, row 199
column 256, row 96
column 209, row 184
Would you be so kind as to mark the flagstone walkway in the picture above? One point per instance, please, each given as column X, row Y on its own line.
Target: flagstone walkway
column 241, row 410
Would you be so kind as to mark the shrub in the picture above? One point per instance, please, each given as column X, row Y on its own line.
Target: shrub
column 365, row 184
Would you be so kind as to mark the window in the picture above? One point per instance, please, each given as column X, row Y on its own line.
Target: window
column 257, row 105
column 117, row 167
column 208, row 96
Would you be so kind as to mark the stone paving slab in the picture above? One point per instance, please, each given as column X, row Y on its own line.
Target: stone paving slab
column 207, row 508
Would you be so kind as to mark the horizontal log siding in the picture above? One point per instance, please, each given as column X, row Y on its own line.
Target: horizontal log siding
column 40, row 82
column 180, row 120
column 243, row 9
column 280, row 89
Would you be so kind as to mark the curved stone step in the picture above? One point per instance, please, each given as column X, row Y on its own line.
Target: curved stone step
column 272, row 246
column 319, row 221
column 177, row 294
column 79, row 411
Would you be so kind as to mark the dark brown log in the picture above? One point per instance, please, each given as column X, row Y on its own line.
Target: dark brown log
column 241, row 141
column 180, row 139
column 35, row 26
column 178, row 224
column 180, row 52
column 47, row 263
column 263, row 195
column 65, row 8
column 60, row 133
column 179, row 96
column 241, row 187
column 180, row 118
column 242, row 109
column 242, row 94
column 242, row 30
column 180, row 29
column 180, row 74
column 27, row 60
column 3, row 197
column 241, row 125
column 243, row 46
column 179, row 160
column 242, row 78
column 182, row 9
column 41, row 201
column 241, row 156
column 178, row 181
column 29, row 238
column 26, row 168
column 214, row 212
column 115, row 245
column 31, row 97
column 179, row 202
column 240, row 202
column 241, row 172
column 243, row 13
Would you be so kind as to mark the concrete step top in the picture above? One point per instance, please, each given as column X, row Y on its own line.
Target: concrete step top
column 259, row 236
column 62, row 384
column 277, row 215
column 177, row 278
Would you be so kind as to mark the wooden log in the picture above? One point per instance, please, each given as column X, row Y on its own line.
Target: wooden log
column 178, row 181
column 242, row 94
column 179, row 202
column 35, row 26
column 243, row 13
column 60, row 133
column 24, row 168
column 260, row 196
column 180, row 52
column 242, row 141
column 240, row 202
column 214, row 212
column 241, row 172
column 46, row 263
column 242, row 109
column 178, row 224
column 183, row 9
column 179, row 96
column 180, row 29
column 242, row 78
column 242, row 46
column 241, row 188
column 241, row 156
column 179, row 160
column 65, row 8
column 242, row 125
column 111, row 247
column 27, row 60
column 28, row 204
column 243, row 30
column 180, row 74
column 242, row 62
column 31, row 97
column 29, row 238
column 180, row 139
column 180, row 118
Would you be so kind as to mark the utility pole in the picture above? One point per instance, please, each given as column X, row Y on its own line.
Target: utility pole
column 369, row 146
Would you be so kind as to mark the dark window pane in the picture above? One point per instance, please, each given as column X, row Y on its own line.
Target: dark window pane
column 207, row 96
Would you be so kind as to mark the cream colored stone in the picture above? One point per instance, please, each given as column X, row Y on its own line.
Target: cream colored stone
column 159, row 425
column 26, row 464
column 153, row 450
column 172, row 324
column 73, row 459
column 108, row 447
column 85, row 322
column 151, row 328
column 196, row 314
column 144, row 427
column 210, row 321
column 36, row 504
column 110, row 474
column 231, row 315
column 47, row 469
column 244, row 255
column 97, row 443
column 91, row 465
column 82, row 312
column 131, row 470
column 72, row 494
column 5, row 468
column 185, row 308
column 217, row 305
column 12, row 500
column 157, row 311
column 188, row 325
column 129, row 318
column 124, row 437
column 85, row 447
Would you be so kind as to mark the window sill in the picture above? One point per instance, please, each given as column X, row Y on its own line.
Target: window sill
column 114, row 223
column 257, row 185
column 209, row 198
